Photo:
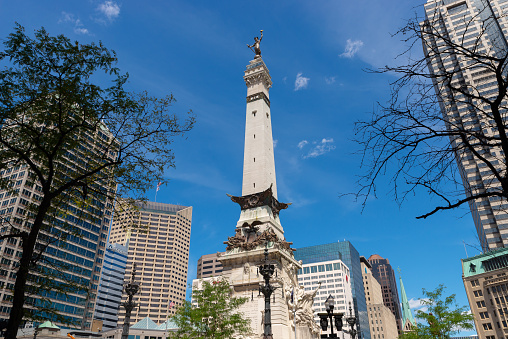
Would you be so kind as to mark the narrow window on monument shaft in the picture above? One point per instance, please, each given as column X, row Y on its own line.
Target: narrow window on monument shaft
column 267, row 115
column 254, row 185
column 254, row 113
column 254, row 136
column 254, row 159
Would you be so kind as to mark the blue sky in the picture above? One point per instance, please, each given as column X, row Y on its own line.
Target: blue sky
column 317, row 53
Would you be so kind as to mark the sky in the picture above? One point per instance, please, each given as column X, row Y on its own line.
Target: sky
column 317, row 53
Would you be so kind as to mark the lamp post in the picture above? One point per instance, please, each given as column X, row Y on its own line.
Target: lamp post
column 267, row 271
column 131, row 288
column 351, row 320
column 336, row 318
column 323, row 318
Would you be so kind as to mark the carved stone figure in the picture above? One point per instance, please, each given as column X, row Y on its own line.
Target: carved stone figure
column 257, row 49
column 300, row 309
column 246, row 268
column 242, row 242
column 235, row 241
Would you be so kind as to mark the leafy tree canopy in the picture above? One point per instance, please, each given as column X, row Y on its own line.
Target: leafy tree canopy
column 82, row 140
column 214, row 316
column 442, row 317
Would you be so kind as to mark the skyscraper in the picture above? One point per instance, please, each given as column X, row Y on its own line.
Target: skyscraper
column 384, row 274
column 73, row 240
column 158, row 238
column 381, row 319
column 111, row 286
column 344, row 251
column 452, row 30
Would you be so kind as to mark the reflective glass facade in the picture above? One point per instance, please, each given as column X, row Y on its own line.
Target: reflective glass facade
column 111, row 286
column 346, row 252
column 73, row 241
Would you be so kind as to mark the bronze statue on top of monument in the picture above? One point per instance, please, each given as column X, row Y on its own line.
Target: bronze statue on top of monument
column 257, row 49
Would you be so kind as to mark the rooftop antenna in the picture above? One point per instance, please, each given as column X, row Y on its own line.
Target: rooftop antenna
column 465, row 249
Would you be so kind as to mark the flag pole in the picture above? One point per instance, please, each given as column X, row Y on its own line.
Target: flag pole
column 157, row 190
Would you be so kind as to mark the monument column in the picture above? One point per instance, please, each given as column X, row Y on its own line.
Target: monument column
column 259, row 228
column 258, row 161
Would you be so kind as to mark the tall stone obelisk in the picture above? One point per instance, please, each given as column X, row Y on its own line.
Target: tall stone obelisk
column 259, row 225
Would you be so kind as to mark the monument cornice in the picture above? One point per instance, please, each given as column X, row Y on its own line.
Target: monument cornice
column 264, row 198
column 258, row 96
column 257, row 77
column 256, row 255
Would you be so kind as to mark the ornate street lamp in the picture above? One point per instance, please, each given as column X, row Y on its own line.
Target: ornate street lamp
column 351, row 320
column 337, row 319
column 323, row 321
column 131, row 289
column 267, row 271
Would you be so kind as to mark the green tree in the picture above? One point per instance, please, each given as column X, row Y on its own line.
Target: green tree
column 52, row 107
column 442, row 318
column 214, row 316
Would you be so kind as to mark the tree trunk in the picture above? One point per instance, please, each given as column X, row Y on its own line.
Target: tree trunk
column 16, row 315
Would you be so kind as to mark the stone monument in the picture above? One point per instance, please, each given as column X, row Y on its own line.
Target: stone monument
column 259, row 226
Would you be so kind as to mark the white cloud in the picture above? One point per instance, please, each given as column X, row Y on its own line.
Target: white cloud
column 81, row 30
column 110, row 9
column 66, row 17
column 275, row 142
column 329, row 80
column 352, row 47
column 417, row 305
column 302, row 143
column 301, row 82
column 78, row 25
column 320, row 148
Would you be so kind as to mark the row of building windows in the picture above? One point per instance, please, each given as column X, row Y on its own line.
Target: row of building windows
column 320, row 268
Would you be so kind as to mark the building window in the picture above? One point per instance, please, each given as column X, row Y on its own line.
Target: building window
column 487, row 326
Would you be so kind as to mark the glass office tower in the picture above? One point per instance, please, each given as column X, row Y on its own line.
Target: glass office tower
column 345, row 251
column 111, row 286
column 71, row 244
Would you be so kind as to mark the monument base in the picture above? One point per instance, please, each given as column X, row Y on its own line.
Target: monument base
column 241, row 269
column 303, row 332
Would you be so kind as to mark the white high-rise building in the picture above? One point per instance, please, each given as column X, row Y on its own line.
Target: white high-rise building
column 480, row 26
column 332, row 278
column 111, row 286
